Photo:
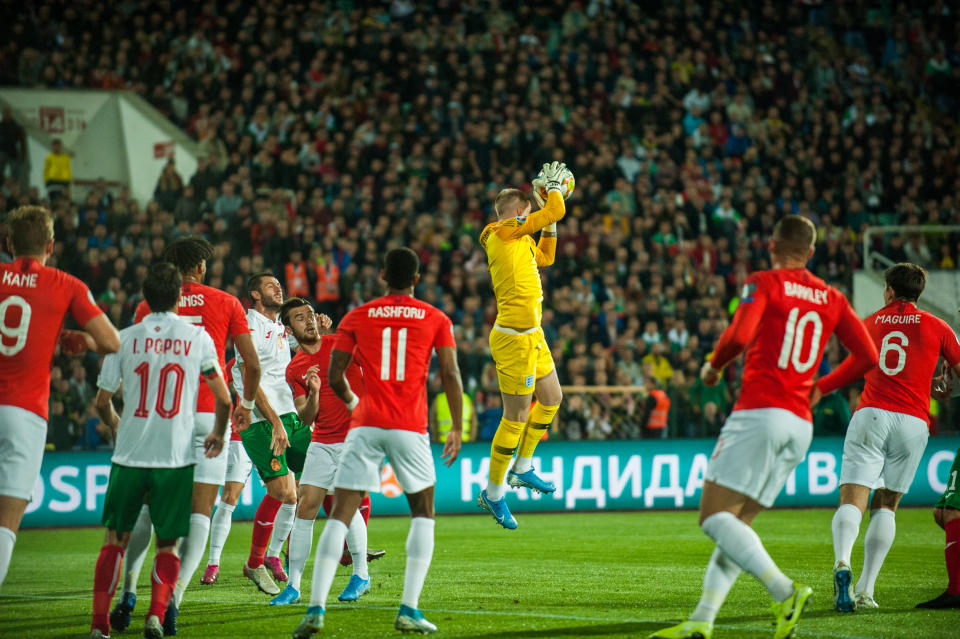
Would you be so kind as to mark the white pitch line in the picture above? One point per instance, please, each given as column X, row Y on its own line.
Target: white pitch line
column 517, row 613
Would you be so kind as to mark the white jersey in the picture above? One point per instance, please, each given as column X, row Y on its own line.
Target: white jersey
column 160, row 363
column 270, row 339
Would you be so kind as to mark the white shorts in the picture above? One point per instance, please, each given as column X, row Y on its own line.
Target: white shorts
column 757, row 450
column 22, row 437
column 239, row 465
column 364, row 451
column 320, row 467
column 209, row 470
column 883, row 449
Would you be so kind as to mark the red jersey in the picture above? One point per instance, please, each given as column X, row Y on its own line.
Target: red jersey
column 333, row 418
column 910, row 342
column 392, row 338
column 34, row 299
column 219, row 313
column 784, row 320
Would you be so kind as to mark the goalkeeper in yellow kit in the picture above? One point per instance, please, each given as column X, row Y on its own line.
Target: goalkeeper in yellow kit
column 520, row 352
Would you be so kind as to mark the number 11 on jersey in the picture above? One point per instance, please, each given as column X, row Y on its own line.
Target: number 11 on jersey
column 385, row 352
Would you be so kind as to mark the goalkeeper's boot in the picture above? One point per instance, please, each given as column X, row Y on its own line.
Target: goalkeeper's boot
column 311, row 624
column 412, row 620
column 530, row 480
column 686, row 630
column 843, row 588
column 290, row 595
column 153, row 629
column 946, row 600
column 170, row 619
column 120, row 616
column 356, row 588
column 275, row 566
column 789, row 610
column 497, row 508
column 865, row 601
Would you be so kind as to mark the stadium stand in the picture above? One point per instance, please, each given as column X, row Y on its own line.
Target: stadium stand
column 334, row 131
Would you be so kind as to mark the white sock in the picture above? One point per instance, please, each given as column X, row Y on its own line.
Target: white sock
column 740, row 542
column 357, row 544
column 419, row 554
column 495, row 492
column 137, row 549
column 719, row 578
column 282, row 526
column 329, row 551
column 7, row 539
column 846, row 528
column 876, row 544
column 523, row 464
column 191, row 553
column 219, row 531
column 301, row 540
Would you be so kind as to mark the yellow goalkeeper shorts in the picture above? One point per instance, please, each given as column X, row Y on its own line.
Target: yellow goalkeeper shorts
column 521, row 359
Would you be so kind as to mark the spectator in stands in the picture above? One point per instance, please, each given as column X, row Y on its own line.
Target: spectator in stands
column 169, row 187
column 13, row 151
column 377, row 141
column 57, row 172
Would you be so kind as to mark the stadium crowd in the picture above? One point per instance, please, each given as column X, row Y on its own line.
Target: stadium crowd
column 331, row 132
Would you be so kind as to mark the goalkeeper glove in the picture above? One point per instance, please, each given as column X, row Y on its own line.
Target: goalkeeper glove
column 553, row 175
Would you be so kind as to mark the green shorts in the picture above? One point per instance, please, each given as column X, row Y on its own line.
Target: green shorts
column 951, row 496
column 171, row 499
column 256, row 441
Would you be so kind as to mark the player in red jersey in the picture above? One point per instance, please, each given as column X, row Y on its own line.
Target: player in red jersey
column 785, row 317
column 34, row 299
column 222, row 316
column 318, row 405
column 392, row 339
column 889, row 430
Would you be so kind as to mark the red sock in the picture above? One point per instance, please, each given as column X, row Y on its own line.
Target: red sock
column 105, row 578
column 365, row 509
column 262, row 529
column 328, row 504
column 166, row 569
column 952, row 555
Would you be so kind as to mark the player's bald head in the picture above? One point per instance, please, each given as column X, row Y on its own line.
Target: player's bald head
column 793, row 237
column 29, row 230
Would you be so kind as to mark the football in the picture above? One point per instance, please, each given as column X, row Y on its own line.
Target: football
column 567, row 184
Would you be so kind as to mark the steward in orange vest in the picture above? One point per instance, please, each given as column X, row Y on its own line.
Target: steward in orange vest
column 657, row 408
column 295, row 276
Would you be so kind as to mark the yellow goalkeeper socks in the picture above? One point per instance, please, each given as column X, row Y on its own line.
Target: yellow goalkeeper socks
column 501, row 452
column 537, row 424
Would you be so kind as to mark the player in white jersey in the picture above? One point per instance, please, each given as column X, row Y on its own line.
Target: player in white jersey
column 159, row 366
column 277, row 440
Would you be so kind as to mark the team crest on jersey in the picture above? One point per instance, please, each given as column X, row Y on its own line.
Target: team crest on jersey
column 746, row 295
column 529, row 381
column 275, row 464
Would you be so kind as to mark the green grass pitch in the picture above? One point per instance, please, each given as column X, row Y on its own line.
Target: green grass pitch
column 559, row 575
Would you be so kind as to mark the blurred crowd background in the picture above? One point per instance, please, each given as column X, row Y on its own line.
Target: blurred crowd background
column 333, row 131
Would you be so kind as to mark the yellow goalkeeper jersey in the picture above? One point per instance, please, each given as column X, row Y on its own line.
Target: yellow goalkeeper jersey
column 513, row 259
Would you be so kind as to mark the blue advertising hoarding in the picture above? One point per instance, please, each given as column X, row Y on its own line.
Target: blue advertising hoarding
column 590, row 475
